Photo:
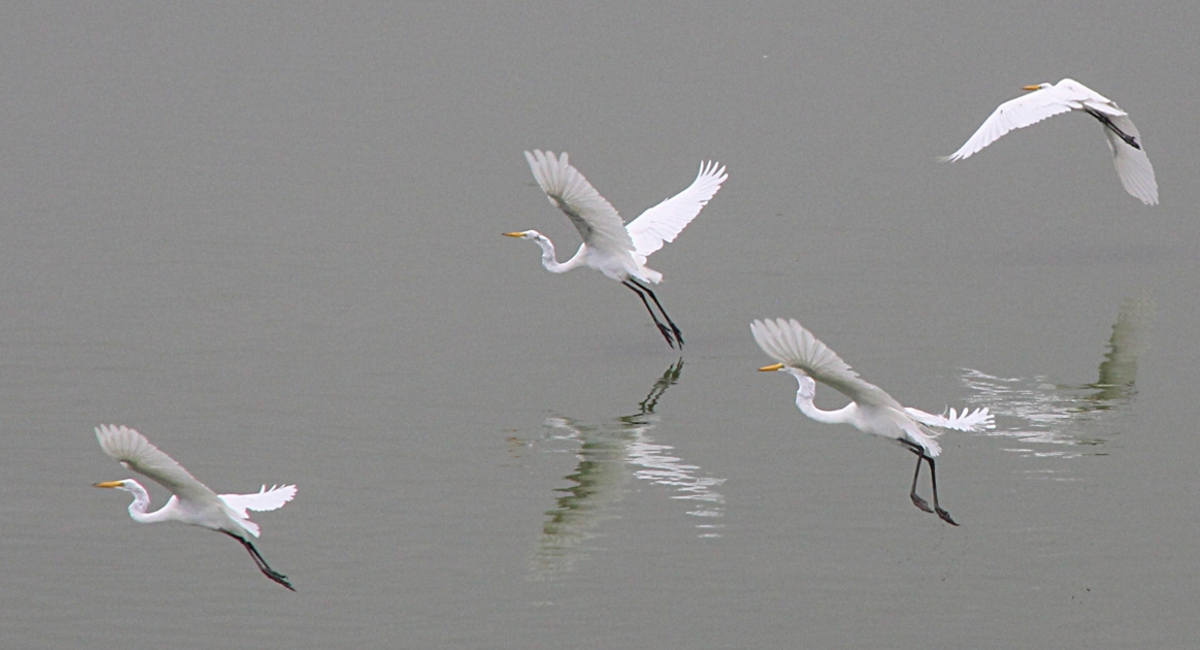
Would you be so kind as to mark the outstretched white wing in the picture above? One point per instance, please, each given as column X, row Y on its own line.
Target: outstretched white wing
column 976, row 420
column 663, row 222
column 136, row 453
column 789, row 343
column 1133, row 165
column 593, row 216
column 260, row 501
column 1018, row 113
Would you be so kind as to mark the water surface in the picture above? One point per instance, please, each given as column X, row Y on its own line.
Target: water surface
column 270, row 240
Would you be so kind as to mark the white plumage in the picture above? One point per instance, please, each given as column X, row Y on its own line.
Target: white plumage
column 609, row 245
column 191, row 502
column 1046, row 100
column 872, row 410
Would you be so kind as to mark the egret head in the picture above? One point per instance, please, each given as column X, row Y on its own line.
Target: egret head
column 524, row 234
column 772, row 367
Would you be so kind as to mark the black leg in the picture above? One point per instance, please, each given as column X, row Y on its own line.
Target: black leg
column 937, row 508
column 262, row 564
column 678, row 334
column 912, row 493
column 1129, row 139
column 918, row 501
column 637, row 288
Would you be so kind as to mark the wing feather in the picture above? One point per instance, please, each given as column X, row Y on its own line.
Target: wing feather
column 260, row 501
column 138, row 454
column 592, row 215
column 1016, row 113
column 789, row 343
column 976, row 420
column 1133, row 165
column 663, row 222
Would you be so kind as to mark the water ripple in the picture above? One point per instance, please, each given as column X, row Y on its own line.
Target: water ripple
column 1086, row 417
column 611, row 453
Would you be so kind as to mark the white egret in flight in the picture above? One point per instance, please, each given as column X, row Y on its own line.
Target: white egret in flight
column 1133, row 167
column 617, row 250
column 871, row 410
column 191, row 502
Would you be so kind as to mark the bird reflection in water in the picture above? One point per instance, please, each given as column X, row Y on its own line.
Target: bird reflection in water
column 1080, row 416
column 611, row 453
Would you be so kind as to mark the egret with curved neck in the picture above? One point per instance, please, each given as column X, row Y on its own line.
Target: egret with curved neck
column 609, row 246
column 191, row 501
column 871, row 410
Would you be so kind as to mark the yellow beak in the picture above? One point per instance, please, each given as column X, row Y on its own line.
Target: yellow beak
column 1031, row 87
column 773, row 366
column 513, row 234
column 108, row 484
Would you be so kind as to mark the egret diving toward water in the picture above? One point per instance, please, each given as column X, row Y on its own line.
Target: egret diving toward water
column 191, row 502
column 609, row 246
column 1133, row 167
column 871, row 410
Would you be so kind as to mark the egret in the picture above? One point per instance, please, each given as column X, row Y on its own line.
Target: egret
column 871, row 410
column 1133, row 167
column 611, row 247
column 191, row 502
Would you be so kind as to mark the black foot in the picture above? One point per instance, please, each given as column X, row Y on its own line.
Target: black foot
column 921, row 503
column 946, row 517
column 667, row 335
column 276, row 576
column 678, row 335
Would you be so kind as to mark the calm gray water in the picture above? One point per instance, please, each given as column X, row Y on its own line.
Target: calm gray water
column 269, row 238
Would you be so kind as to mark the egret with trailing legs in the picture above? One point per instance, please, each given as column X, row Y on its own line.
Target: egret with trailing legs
column 617, row 250
column 191, row 502
column 871, row 410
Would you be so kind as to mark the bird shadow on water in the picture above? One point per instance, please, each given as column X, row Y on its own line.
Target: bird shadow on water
column 1084, row 418
column 611, row 454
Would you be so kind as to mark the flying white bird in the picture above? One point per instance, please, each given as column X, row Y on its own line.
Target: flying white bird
column 191, row 502
column 617, row 250
column 871, row 410
column 1133, row 167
